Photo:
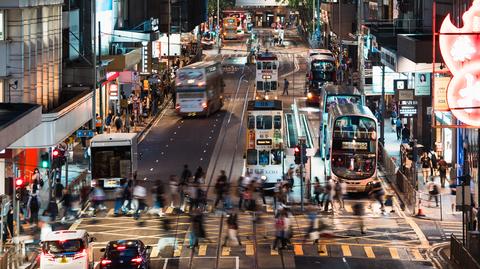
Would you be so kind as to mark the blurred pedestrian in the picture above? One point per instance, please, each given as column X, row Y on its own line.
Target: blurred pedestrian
column 98, row 197
column 313, row 227
column 377, row 193
column 119, row 196
column 197, row 230
column 285, row 86
column 317, row 191
column 240, row 191
column 127, row 197
column 220, row 188
column 279, row 230
column 405, row 134
column 359, row 211
column 290, row 179
column 433, row 191
column 199, row 176
column 67, row 201
column 340, row 190
column 398, row 127
column 232, row 236
column 58, row 189
column 175, row 197
column 139, row 196
column 34, row 206
column 159, row 197
column 327, row 195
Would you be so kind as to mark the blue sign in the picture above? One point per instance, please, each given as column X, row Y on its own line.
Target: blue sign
column 264, row 104
column 85, row 133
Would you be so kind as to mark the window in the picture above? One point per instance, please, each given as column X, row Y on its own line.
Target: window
column 259, row 85
column 252, row 157
column 2, row 25
column 57, row 247
column 277, row 122
column 264, row 122
column 251, row 122
column 274, row 66
column 259, row 65
column 264, row 157
column 276, row 157
column 267, row 65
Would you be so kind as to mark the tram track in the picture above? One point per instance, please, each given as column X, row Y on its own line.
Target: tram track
column 216, row 168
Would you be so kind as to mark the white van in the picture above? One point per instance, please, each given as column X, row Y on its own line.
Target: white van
column 66, row 250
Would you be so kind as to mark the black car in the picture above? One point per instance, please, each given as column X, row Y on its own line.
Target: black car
column 125, row 254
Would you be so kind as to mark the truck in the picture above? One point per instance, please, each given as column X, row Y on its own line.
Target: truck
column 113, row 159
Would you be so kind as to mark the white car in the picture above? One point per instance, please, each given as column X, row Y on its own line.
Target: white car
column 66, row 249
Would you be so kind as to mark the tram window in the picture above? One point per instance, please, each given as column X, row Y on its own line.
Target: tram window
column 276, row 156
column 274, row 66
column 259, row 65
column 252, row 157
column 273, row 86
column 260, row 86
column 267, row 65
column 264, row 157
column 251, row 122
column 264, row 122
column 277, row 122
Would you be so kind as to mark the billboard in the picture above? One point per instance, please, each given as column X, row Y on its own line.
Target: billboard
column 261, row 3
column 104, row 10
column 422, row 84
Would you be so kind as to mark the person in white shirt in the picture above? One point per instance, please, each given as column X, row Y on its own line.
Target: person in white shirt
column 139, row 195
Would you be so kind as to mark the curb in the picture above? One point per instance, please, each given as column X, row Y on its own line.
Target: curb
column 165, row 105
column 438, row 257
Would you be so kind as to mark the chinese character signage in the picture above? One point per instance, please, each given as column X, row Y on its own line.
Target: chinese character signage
column 461, row 52
column 440, row 93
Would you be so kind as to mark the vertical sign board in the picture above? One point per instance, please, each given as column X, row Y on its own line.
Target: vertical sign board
column 2, row 25
column 440, row 94
column 422, row 84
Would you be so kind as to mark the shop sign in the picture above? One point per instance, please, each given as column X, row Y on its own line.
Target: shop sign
column 408, row 108
column 113, row 92
column 422, row 84
column 460, row 51
column 400, row 84
column 440, row 93
column 405, row 95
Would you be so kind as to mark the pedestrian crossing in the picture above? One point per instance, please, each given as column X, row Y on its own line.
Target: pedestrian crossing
column 451, row 227
column 322, row 249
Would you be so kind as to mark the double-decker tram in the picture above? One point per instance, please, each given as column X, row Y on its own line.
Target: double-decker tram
column 331, row 96
column 264, row 144
column 321, row 70
column 230, row 25
column 266, row 76
column 352, row 143
column 199, row 89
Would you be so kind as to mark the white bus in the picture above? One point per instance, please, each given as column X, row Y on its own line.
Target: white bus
column 353, row 144
column 331, row 96
column 199, row 89
column 266, row 76
column 264, row 145
column 113, row 158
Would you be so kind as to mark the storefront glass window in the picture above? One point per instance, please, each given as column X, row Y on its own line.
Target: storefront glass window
column 2, row 25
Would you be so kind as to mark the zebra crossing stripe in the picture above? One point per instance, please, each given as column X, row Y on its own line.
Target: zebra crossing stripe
column 273, row 252
column 322, row 250
column 155, row 252
column 226, row 251
column 346, row 251
column 297, row 248
column 249, row 251
column 369, row 252
column 202, row 250
column 394, row 253
column 416, row 254
column 178, row 251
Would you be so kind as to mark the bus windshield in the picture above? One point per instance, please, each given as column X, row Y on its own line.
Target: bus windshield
column 323, row 70
column 333, row 100
column 354, row 147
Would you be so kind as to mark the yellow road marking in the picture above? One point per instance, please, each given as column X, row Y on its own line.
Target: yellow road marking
column 274, row 252
column 110, row 212
column 346, row 251
column 322, row 249
column 169, row 210
column 416, row 254
column 75, row 225
column 226, row 251
column 202, row 250
column 155, row 252
column 297, row 248
column 394, row 253
column 249, row 251
column 348, row 208
column 178, row 251
column 369, row 252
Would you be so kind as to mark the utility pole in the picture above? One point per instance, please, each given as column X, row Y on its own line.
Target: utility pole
column 302, row 168
column 100, row 64
column 94, row 69
column 382, row 109
column 168, row 37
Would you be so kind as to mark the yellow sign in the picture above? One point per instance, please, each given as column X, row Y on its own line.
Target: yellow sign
column 440, row 93
column 145, row 85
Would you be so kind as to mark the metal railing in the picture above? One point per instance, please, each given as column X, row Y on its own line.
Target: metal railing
column 460, row 256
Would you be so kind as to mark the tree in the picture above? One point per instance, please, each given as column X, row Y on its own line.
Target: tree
column 224, row 4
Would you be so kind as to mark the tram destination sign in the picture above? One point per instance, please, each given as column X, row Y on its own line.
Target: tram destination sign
column 264, row 142
column 351, row 145
column 408, row 108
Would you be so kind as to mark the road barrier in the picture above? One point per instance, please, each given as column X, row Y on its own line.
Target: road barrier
column 460, row 256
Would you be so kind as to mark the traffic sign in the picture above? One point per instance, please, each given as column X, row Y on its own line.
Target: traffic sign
column 408, row 108
column 85, row 133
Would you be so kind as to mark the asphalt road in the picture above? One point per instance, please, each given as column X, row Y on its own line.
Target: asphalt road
column 216, row 143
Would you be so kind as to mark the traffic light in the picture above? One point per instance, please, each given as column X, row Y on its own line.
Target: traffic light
column 19, row 183
column 304, row 153
column 58, row 158
column 297, row 153
column 45, row 160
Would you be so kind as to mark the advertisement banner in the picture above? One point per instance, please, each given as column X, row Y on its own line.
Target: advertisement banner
column 440, row 94
column 422, row 84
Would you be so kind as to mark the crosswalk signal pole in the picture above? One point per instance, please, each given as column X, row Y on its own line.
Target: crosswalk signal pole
column 301, row 142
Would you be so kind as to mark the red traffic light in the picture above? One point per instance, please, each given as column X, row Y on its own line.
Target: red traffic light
column 19, row 182
column 55, row 153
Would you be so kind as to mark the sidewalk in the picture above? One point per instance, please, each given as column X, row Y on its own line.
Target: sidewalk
column 446, row 200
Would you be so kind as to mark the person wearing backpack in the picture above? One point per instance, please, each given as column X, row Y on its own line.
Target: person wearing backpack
column 442, row 170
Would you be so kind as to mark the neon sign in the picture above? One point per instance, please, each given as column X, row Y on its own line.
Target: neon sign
column 461, row 54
